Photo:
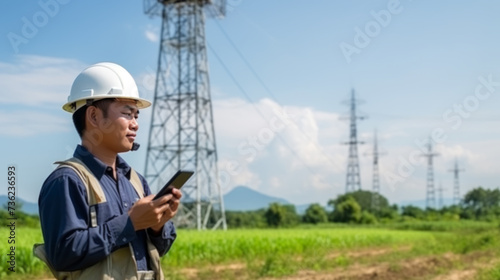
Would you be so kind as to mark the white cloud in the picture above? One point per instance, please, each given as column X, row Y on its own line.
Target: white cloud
column 233, row 173
column 293, row 152
column 151, row 34
column 34, row 88
column 278, row 149
column 28, row 123
column 36, row 80
column 33, row 91
column 297, row 153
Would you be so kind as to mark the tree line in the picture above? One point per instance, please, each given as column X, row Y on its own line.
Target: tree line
column 352, row 208
column 357, row 208
column 22, row 218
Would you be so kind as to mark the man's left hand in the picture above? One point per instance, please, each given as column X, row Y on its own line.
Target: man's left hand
column 170, row 212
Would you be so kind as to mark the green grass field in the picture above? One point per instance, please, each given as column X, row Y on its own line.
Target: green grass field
column 249, row 254
column 215, row 246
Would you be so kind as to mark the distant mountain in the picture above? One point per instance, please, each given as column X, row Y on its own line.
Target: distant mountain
column 28, row 207
column 240, row 198
column 245, row 199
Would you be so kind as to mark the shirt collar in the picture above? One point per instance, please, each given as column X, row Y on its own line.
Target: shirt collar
column 97, row 167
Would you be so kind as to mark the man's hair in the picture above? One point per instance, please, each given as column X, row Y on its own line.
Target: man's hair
column 79, row 115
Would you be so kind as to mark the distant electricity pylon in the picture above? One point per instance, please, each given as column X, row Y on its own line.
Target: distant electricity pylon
column 353, row 179
column 456, row 183
column 375, row 203
column 440, row 190
column 431, row 195
column 181, row 134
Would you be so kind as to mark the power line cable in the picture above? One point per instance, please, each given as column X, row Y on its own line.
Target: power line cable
column 255, row 107
column 264, row 85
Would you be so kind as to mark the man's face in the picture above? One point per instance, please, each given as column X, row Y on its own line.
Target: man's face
column 119, row 128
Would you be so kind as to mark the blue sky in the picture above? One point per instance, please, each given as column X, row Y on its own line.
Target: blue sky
column 421, row 67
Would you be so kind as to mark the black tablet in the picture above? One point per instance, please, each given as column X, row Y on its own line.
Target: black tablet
column 177, row 181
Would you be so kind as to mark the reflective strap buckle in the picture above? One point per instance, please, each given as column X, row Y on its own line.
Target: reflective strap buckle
column 93, row 216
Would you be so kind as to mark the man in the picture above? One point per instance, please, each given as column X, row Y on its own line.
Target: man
column 98, row 216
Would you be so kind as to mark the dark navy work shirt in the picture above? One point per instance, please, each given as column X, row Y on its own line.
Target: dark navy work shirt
column 70, row 242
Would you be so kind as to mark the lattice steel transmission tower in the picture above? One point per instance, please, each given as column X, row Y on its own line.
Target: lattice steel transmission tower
column 375, row 203
column 181, row 134
column 456, row 183
column 431, row 191
column 353, row 179
column 441, row 199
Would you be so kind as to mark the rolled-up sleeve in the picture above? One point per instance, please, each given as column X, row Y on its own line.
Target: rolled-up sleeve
column 64, row 215
column 163, row 242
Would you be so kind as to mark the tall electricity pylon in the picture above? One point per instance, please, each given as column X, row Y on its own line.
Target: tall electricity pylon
column 456, row 183
column 375, row 203
column 353, row 179
column 431, row 191
column 441, row 199
column 181, row 134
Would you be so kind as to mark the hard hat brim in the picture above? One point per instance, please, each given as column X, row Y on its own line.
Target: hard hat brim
column 72, row 106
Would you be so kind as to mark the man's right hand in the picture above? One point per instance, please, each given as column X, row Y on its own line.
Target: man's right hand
column 147, row 212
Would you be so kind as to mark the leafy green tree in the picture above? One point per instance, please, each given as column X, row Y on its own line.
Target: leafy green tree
column 388, row 213
column 432, row 214
column 22, row 218
column 477, row 199
column 481, row 203
column 364, row 200
column 413, row 211
column 291, row 216
column 278, row 215
column 347, row 211
column 245, row 219
column 315, row 214
column 450, row 213
column 367, row 218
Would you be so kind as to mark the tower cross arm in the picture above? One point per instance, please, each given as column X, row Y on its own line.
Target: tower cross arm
column 354, row 143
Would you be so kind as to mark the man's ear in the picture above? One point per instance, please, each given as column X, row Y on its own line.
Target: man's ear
column 92, row 116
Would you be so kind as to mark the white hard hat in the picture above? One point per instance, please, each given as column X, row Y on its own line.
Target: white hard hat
column 103, row 80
